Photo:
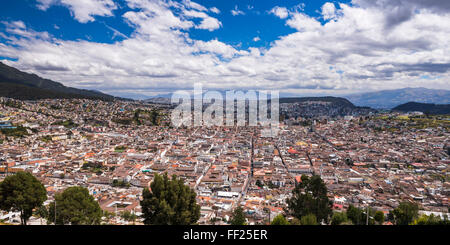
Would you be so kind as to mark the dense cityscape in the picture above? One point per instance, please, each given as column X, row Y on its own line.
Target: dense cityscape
column 375, row 160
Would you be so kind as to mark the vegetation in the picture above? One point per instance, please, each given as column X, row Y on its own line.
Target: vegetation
column 309, row 219
column 22, row 193
column 339, row 218
column 310, row 197
column 431, row 220
column 67, row 123
column 279, row 220
column 379, row 217
column 405, row 213
column 128, row 216
column 120, row 183
column 94, row 167
column 238, row 217
column 75, row 206
column 424, row 107
column 24, row 86
column 19, row 131
column 120, row 149
column 169, row 202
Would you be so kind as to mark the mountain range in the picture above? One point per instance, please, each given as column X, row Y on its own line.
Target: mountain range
column 388, row 99
column 25, row 86
column 423, row 107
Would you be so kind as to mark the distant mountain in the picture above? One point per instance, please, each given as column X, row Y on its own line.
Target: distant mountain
column 388, row 99
column 25, row 86
column 311, row 107
column 334, row 100
column 423, row 107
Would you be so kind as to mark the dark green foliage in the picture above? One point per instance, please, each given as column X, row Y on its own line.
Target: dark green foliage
column 169, row 202
column 24, row 86
column 259, row 183
column 310, row 197
column 19, row 131
column 238, row 217
column 428, row 109
column 379, row 217
column 358, row 216
column 128, row 216
column 22, row 193
column 120, row 183
column 405, row 213
column 338, row 218
column 75, row 206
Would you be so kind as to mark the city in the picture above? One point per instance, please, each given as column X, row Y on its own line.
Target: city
column 378, row 160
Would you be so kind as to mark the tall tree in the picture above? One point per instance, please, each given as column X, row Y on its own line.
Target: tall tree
column 76, row 207
column 379, row 217
column 238, row 217
column 22, row 193
column 169, row 202
column 405, row 213
column 310, row 197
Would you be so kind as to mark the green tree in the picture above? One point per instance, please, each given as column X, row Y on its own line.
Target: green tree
column 76, row 207
column 279, row 220
column 309, row 219
column 379, row 217
column 356, row 215
column 405, row 213
column 238, row 217
column 169, row 202
column 310, row 197
column 128, row 216
column 22, row 193
column 429, row 220
column 338, row 218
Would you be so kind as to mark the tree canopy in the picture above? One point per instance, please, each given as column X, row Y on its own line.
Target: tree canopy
column 310, row 197
column 22, row 193
column 405, row 213
column 238, row 217
column 279, row 220
column 76, row 207
column 169, row 202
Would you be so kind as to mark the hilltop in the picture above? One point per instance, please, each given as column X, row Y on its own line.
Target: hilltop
column 26, row 86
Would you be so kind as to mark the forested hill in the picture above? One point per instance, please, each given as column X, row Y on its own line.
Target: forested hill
column 25, row 86
column 424, row 107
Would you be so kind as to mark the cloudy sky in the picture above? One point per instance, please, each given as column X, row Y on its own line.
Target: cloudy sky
column 138, row 48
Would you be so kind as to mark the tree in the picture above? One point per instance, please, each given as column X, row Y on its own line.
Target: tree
column 41, row 212
column 310, row 197
column 238, row 217
column 379, row 217
column 169, row 202
column 76, row 207
column 22, row 193
column 309, row 219
column 128, row 216
column 279, row 220
column 355, row 215
column 405, row 213
column 338, row 218
column 430, row 220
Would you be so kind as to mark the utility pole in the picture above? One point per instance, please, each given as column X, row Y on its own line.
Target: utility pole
column 367, row 215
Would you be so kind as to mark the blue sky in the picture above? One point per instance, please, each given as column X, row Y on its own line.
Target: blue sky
column 139, row 48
